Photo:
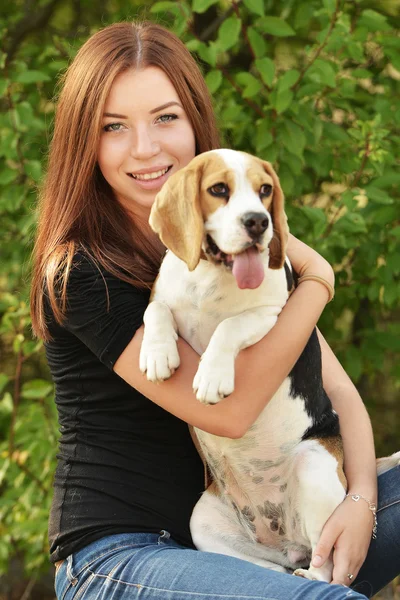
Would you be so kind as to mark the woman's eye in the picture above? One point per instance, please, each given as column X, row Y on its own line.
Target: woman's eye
column 219, row 190
column 266, row 190
column 167, row 118
column 113, row 127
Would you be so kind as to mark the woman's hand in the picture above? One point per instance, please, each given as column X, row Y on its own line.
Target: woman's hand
column 348, row 532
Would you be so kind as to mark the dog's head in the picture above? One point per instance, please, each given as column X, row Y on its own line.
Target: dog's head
column 228, row 204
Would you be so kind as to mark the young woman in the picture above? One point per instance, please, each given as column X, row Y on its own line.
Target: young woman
column 134, row 109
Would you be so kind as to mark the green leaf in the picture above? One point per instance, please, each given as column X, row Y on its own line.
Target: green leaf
column 276, row 26
column 293, row 138
column 395, row 232
column 351, row 222
column 228, row 33
column 164, row 7
column 200, row 6
column 266, row 68
column 257, row 42
column 287, row 80
column 255, row 6
column 362, row 74
column 330, row 5
column 377, row 195
column 353, row 362
column 208, row 53
column 251, row 85
column 31, row 77
column 323, row 72
column 356, row 51
column 24, row 116
column 263, row 135
column 317, row 217
column 213, row 80
column 7, row 176
column 283, row 101
column 4, row 83
column 33, row 168
column 304, row 15
column 391, row 293
column 373, row 20
column 17, row 342
column 4, row 379
column 36, row 389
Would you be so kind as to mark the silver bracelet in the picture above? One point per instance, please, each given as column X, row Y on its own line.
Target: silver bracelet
column 372, row 508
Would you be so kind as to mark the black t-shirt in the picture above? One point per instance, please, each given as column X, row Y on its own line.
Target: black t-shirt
column 124, row 464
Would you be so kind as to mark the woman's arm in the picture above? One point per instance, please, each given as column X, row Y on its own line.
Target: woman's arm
column 355, row 425
column 260, row 369
column 349, row 529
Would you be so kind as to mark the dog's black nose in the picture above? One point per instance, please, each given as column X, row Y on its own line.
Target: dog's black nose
column 255, row 223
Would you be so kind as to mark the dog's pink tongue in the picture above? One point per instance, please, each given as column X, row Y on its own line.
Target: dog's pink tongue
column 248, row 269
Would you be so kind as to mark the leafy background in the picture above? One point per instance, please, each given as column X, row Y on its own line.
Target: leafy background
column 311, row 86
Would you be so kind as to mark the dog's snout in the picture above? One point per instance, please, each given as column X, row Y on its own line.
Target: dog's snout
column 255, row 223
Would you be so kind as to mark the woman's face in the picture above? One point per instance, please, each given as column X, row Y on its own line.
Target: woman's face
column 146, row 136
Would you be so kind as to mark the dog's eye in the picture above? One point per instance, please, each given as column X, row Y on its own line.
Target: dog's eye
column 220, row 190
column 265, row 190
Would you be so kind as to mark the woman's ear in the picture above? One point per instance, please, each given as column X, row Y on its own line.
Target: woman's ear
column 176, row 215
column 278, row 244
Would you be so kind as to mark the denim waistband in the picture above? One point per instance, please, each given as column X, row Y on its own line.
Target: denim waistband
column 81, row 559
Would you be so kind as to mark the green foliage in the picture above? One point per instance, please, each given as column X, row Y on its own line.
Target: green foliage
column 312, row 87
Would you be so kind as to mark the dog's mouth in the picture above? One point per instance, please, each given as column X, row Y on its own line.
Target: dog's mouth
column 246, row 266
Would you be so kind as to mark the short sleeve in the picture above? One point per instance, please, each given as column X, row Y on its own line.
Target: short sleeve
column 103, row 311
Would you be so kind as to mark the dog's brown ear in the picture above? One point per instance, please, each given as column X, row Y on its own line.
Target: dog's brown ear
column 176, row 215
column 278, row 244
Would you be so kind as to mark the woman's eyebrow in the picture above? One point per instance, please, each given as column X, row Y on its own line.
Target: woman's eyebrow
column 115, row 115
column 166, row 105
column 152, row 111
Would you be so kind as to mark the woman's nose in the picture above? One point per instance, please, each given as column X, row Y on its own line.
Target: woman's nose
column 144, row 145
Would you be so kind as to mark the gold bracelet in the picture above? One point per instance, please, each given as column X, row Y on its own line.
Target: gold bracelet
column 319, row 279
column 372, row 508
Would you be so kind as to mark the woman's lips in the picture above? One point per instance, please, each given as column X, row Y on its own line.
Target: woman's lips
column 151, row 184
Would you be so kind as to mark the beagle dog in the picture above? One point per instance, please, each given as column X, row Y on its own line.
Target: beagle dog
column 221, row 286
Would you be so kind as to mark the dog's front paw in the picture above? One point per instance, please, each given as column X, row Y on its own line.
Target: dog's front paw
column 159, row 358
column 315, row 574
column 215, row 378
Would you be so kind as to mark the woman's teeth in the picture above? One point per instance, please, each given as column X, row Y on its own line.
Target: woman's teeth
column 147, row 176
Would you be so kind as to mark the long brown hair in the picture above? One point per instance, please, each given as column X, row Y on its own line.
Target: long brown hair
column 77, row 207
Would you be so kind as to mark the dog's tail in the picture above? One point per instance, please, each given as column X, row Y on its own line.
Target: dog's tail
column 388, row 462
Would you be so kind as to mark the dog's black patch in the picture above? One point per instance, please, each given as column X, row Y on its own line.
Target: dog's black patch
column 289, row 277
column 306, row 383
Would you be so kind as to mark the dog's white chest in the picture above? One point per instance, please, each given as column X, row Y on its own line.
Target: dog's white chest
column 201, row 299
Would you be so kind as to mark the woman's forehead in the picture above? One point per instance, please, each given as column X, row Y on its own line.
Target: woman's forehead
column 147, row 88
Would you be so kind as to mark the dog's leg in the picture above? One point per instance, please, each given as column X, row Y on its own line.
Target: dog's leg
column 159, row 353
column 216, row 373
column 387, row 463
column 318, row 490
column 214, row 528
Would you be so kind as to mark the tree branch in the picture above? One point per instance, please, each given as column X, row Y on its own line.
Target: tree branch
column 357, row 177
column 16, row 398
column 320, row 47
column 34, row 20
column 207, row 33
column 224, row 71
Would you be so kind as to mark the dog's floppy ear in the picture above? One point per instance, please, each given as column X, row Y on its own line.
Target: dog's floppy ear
column 278, row 244
column 176, row 215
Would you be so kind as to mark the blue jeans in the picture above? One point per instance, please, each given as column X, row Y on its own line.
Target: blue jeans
column 149, row 566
